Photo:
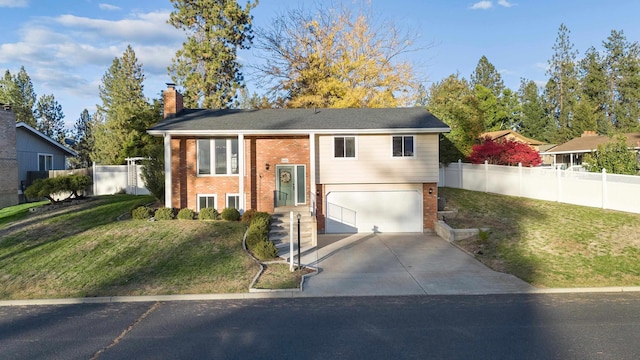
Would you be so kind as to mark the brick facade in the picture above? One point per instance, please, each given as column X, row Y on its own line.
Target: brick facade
column 429, row 205
column 259, row 182
column 8, row 159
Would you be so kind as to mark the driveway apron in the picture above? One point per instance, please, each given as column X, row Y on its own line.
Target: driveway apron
column 400, row 264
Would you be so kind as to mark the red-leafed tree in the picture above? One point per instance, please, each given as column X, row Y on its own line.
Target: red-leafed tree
column 504, row 152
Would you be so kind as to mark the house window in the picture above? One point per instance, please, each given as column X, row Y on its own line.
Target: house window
column 233, row 201
column 206, row 200
column 219, row 156
column 45, row 162
column 344, row 146
column 403, row 146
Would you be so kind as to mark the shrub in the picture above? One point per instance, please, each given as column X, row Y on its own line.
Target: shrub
column 230, row 214
column 47, row 188
column 265, row 250
column 248, row 216
column 164, row 214
column 141, row 213
column 253, row 238
column 185, row 214
column 208, row 214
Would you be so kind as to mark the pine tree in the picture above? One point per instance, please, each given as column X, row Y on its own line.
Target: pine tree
column 50, row 118
column 123, row 112
column 593, row 92
column 83, row 140
column 622, row 61
column 534, row 122
column 207, row 64
column 486, row 75
column 562, row 87
column 18, row 92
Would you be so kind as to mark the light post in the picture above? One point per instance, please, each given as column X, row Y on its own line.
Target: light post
column 299, row 216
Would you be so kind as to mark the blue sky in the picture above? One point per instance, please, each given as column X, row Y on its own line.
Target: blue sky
column 67, row 45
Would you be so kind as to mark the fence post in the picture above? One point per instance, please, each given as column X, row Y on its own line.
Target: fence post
column 604, row 188
column 559, row 185
column 95, row 181
column 486, row 176
column 520, row 179
column 460, row 174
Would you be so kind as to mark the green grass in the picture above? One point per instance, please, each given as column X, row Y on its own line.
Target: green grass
column 278, row 276
column 550, row 244
column 83, row 251
column 14, row 213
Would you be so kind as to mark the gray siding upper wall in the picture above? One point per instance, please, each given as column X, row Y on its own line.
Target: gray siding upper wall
column 29, row 146
column 374, row 162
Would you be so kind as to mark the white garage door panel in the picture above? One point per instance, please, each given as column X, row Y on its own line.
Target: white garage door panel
column 369, row 211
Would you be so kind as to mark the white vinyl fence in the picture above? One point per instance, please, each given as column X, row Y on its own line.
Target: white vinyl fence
column 112, row 179
column 607, row 191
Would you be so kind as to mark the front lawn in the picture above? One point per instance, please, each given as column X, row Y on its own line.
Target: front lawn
column 550, row 244
column 83, row 250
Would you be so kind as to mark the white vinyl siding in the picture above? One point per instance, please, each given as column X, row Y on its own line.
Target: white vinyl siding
column 375, row 163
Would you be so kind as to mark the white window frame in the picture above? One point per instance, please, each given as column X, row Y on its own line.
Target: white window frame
column 355, row 147
column 403, row 156
column 212, row 156
column 45, row 162
column 230, row 195
column 214, row 196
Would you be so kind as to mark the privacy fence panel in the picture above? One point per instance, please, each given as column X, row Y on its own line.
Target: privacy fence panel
column 608, row 191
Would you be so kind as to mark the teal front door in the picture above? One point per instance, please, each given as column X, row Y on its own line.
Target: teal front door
column 291, row 185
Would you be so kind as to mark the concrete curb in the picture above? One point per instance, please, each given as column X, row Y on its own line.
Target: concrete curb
column 282, row 294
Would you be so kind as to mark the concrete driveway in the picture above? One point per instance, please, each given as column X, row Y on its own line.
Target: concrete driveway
column 400, row 264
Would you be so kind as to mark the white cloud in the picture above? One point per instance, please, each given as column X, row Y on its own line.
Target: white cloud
column 481, row 5
column 14, row 3
column 109, row 7
column 505, row 3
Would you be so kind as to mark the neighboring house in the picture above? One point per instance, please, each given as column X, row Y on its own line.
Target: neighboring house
column 8, row 158
column 512, row 135
column 357, row 170
column 570, row 154
column 37, row 152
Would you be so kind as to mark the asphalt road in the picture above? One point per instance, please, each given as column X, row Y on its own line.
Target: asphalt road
column 567, row 326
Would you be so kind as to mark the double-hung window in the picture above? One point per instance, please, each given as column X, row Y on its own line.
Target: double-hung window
column 45, row 162
column 403, row 146
column 233, row 201
column 206, row 201
column 344, row 146
column 218, row 156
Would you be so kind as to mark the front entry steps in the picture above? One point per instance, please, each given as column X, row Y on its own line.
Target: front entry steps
column 279, row 233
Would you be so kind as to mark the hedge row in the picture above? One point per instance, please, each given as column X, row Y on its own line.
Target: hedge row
column 145, row 213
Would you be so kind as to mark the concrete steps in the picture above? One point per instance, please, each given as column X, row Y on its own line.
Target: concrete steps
column 280, row 226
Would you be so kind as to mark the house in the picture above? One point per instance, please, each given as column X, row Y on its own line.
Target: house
column 356, row 170
column 512, row 135
column 8, row 158
column 37, row 153
column 570, row 153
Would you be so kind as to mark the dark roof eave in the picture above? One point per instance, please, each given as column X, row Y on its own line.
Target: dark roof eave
column 300, row 132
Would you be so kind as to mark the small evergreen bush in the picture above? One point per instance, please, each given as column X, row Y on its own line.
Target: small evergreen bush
column 248, row 216
column 253, row 238
column 208, row 214
column 230, row 214
column 164, row 214
column 141, row 213
column 265, row 250
column 185, row 214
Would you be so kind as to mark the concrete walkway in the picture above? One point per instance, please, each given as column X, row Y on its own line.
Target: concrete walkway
column 400, row 264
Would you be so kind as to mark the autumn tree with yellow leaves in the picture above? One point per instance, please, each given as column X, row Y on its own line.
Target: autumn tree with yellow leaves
column 335, row 58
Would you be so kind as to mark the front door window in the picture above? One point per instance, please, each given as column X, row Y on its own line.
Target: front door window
column 291, row 189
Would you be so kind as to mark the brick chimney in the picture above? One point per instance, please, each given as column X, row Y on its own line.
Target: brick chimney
column 589, row 133
column 173, row 102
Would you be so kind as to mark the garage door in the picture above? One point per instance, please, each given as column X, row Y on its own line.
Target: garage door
column 374, row 211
